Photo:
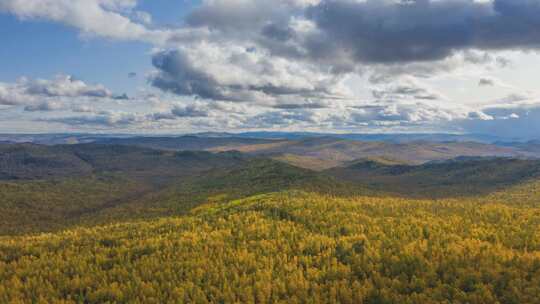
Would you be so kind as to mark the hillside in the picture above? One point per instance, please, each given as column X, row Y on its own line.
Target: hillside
column 46, row 188
column 532, row 146
column 34, row 162
column 290, row 247
column 458, row 177
column 28, row 161
column 330, row 150
column 118, row 183
column 313, row 151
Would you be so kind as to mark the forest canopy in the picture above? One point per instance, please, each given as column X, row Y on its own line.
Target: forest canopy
column 291, row 247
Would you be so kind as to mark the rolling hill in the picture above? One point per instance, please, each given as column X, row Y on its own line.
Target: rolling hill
column 462, row 176
column 46, row 188
column 331, row 151
column 312, row 150
column 108, row 223
column 91, row 183
column 532, row 146
column 28, row 161
column 43, row 188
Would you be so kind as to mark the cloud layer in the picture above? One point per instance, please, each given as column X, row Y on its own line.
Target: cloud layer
column 327, row 64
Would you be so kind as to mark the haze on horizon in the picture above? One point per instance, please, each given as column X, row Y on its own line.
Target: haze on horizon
column 159, row 66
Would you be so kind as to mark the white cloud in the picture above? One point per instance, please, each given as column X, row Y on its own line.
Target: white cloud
column 233, row 72
column 105, row 18
column 44, row 107
column 47, row 95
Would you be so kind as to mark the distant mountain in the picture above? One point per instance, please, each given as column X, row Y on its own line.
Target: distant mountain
column 309, row 150
column 339, row 151
column 75, row 138
column 390, row 137
column 532, row 146
column 325, row 152
column 214, row 134
column 436, row 137
column 57, row 138
column 186, row 143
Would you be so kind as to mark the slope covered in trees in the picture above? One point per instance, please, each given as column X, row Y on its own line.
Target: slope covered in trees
column 154, row 226
column 37, row 162
column 292, row 247
column 46, row 188
column 127, row 186
column 458, row 177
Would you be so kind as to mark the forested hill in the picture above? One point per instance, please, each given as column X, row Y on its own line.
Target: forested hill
column 290, row 247
column 29, row 161
column 46, row 188
column 462, row 176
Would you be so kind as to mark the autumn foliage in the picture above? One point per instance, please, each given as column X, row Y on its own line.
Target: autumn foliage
column 292, row 247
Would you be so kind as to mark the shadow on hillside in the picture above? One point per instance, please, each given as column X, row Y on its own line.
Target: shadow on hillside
column 463, row 177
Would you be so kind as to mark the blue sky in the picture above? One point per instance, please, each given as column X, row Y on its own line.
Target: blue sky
column 40, row 48
column 457, row 66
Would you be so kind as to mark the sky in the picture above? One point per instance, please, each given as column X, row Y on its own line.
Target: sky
column 357, row 66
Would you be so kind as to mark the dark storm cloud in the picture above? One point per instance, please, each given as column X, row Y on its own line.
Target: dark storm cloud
column 384, row 31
